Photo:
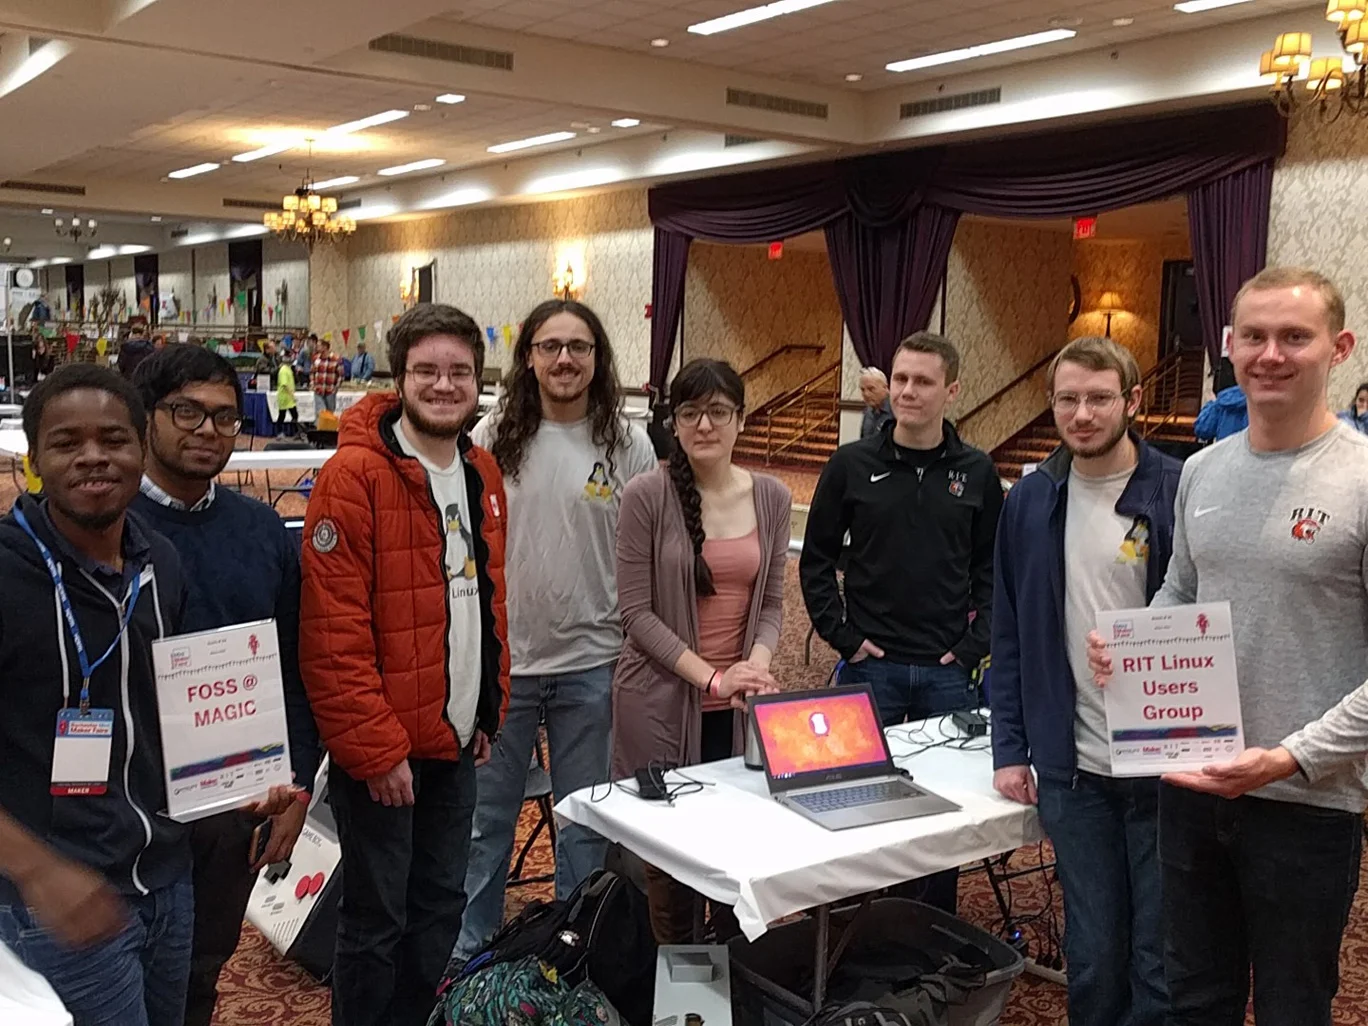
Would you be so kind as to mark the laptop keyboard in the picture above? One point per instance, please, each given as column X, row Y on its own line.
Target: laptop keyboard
column 850, row 797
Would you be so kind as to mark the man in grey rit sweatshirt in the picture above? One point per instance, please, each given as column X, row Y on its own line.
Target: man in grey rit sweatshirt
column 1260, row 857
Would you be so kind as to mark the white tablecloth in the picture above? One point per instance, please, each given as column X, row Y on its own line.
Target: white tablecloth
column 735, row 844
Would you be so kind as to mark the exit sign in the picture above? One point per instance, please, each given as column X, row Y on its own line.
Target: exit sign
column 776, row 251
column 1085, row 227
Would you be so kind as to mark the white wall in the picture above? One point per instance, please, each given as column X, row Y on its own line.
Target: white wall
column 284, row 263
column 173, row 278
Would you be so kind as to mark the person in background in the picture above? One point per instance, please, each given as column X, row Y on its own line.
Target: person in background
column 920, row 508
column 1100, row 507
column 874, row 392
column 363, row 367
column 404, row 652
column 558, row 424
column 195, row 400
column 304, row 359
column 286, row 404
column 1260, row 856
column 159, row 340
column 268, row 362
column 1222, row 416
column 701, row 549
column 327, row 376
column 44, row 361
column 95, row 889
column 1357, row 414
column 133, row 351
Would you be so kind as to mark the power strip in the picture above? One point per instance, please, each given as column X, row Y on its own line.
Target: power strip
column 1045, row 973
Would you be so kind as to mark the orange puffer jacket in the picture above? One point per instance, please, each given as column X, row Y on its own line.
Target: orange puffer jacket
column 373, row 621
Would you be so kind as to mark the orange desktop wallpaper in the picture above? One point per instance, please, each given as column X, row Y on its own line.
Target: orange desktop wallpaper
column 820, row 733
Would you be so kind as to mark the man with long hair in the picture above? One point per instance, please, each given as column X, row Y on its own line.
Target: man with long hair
column 566, row 452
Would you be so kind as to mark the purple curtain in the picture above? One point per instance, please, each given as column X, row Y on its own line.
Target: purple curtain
column 755, row 206
column 1228, row 222
column 667, row 302
column 887, row 276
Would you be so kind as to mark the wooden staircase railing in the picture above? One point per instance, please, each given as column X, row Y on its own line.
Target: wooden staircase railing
column 1159, row 395
column 1007, row 387
column 792, row 347
column 817, row 406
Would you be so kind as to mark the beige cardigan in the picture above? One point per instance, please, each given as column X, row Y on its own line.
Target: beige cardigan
column 657, row 715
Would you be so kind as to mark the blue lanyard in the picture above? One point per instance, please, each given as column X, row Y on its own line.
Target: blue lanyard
column 55, row 571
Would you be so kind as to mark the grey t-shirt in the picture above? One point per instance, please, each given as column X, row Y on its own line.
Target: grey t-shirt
column 1105, row 556
column 561, row 566
column 1283, row 537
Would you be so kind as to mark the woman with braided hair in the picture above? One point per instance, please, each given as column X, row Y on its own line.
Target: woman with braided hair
column 701, row 548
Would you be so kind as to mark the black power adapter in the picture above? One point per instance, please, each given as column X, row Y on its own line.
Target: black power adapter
column 971, row 722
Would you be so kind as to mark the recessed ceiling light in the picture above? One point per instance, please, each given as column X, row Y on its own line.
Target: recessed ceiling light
column 45, row 210
column 451, row 98
column 384, row 117
column 593, row 129
column 536, row 140
column 265, row 151
column 417, row 165
column 966, row 53
column 1197, row 6
column 1064, row 21
column 190, row 172
column 422, row 106
column 854, row 76
column 156, row 217
column 660, row 43
column 753, row 14
column 1122, row 22
column 626, row 122
column 334, row 183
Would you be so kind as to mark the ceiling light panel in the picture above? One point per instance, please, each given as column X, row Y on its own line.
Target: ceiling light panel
column 1198, row 6
column 417, row 165
column 190, row 172
column 337, row 183
column 451, row 98
column 265, row 151
column 754, row 14
column 528, row 143
column 626, row 122
column 383, row 118
column 932, row 60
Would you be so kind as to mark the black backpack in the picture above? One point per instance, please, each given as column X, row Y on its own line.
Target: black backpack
column 602, row 932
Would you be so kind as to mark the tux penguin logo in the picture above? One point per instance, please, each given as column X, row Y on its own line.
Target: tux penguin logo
column 455, row 525
column 818, row 722
column 597, row 486
column 1135, row 546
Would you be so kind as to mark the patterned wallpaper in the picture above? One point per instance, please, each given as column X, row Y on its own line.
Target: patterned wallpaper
column 284, row 263
column 497, row 264
column 741, row 306
column 1134, row 269
column 1316, row 222
column 1007, row 289
column 327, row 293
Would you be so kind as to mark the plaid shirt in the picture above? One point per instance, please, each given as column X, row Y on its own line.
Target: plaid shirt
column 327, row 374
column 155, row 493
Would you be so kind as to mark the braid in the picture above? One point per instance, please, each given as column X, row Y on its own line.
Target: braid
column 681, row 473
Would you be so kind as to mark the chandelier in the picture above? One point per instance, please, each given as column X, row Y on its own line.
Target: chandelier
column 307, row 217
column 1332, row 85
column 77, row 229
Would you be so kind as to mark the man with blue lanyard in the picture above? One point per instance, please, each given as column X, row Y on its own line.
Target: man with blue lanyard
column 95, row 891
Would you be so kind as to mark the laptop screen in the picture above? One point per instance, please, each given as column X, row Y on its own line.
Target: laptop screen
column 820, row 732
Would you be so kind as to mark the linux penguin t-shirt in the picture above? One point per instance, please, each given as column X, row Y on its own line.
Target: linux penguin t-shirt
column 463, row 587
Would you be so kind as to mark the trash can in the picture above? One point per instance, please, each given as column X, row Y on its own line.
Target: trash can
column 895, row 944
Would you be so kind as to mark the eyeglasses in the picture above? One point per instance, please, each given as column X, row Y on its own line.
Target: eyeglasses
column 1096, row 402
column 719, row 414
column 425, row 374
column 188, row 416
column 552, row 348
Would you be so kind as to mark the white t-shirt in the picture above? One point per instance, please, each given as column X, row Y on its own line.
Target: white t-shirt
column 560, row 565
column 464, row 630
column 1105, row 557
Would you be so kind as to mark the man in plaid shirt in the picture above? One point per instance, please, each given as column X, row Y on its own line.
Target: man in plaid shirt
column 327, row 375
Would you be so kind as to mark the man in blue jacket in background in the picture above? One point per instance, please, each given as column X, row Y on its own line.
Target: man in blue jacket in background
column 1090, row 530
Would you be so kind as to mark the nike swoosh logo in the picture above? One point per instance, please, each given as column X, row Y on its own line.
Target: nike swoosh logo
column 1202, row 511
column 875, row 478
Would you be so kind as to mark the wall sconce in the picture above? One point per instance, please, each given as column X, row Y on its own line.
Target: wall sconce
column 1110, row 304
column 566, row 284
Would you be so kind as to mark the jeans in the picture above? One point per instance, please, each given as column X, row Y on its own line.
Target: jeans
column 136, row 979
column 403, row 879
column 1260, row 882
column 579, row 720
column 1105, row 835
column 223, row 884
column 329, row 401
column 905, row 693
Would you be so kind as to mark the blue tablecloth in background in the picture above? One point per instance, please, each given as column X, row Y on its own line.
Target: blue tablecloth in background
column 254, row 406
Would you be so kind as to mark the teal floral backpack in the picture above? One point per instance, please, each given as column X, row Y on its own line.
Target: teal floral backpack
column 527, row 992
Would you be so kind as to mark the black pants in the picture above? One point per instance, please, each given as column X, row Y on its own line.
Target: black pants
column 1254, row 882
column 403, row 892
column 280, row 420
column 223, row 885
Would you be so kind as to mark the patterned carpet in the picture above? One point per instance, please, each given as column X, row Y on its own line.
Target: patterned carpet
column 259, row 988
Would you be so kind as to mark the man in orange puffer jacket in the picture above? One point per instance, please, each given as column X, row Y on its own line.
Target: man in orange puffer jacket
column 403, row 649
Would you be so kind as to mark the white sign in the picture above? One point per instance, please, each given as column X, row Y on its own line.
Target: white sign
column 278, row 908
column 222, row 700
column 1173, row 703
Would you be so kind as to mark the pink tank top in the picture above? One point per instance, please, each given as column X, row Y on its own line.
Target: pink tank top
column 735, row 565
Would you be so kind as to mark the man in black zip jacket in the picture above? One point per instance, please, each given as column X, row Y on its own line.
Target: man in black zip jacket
column 921, row 508
column 94, row 883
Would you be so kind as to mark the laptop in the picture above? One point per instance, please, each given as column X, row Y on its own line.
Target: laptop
column 827, row 759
